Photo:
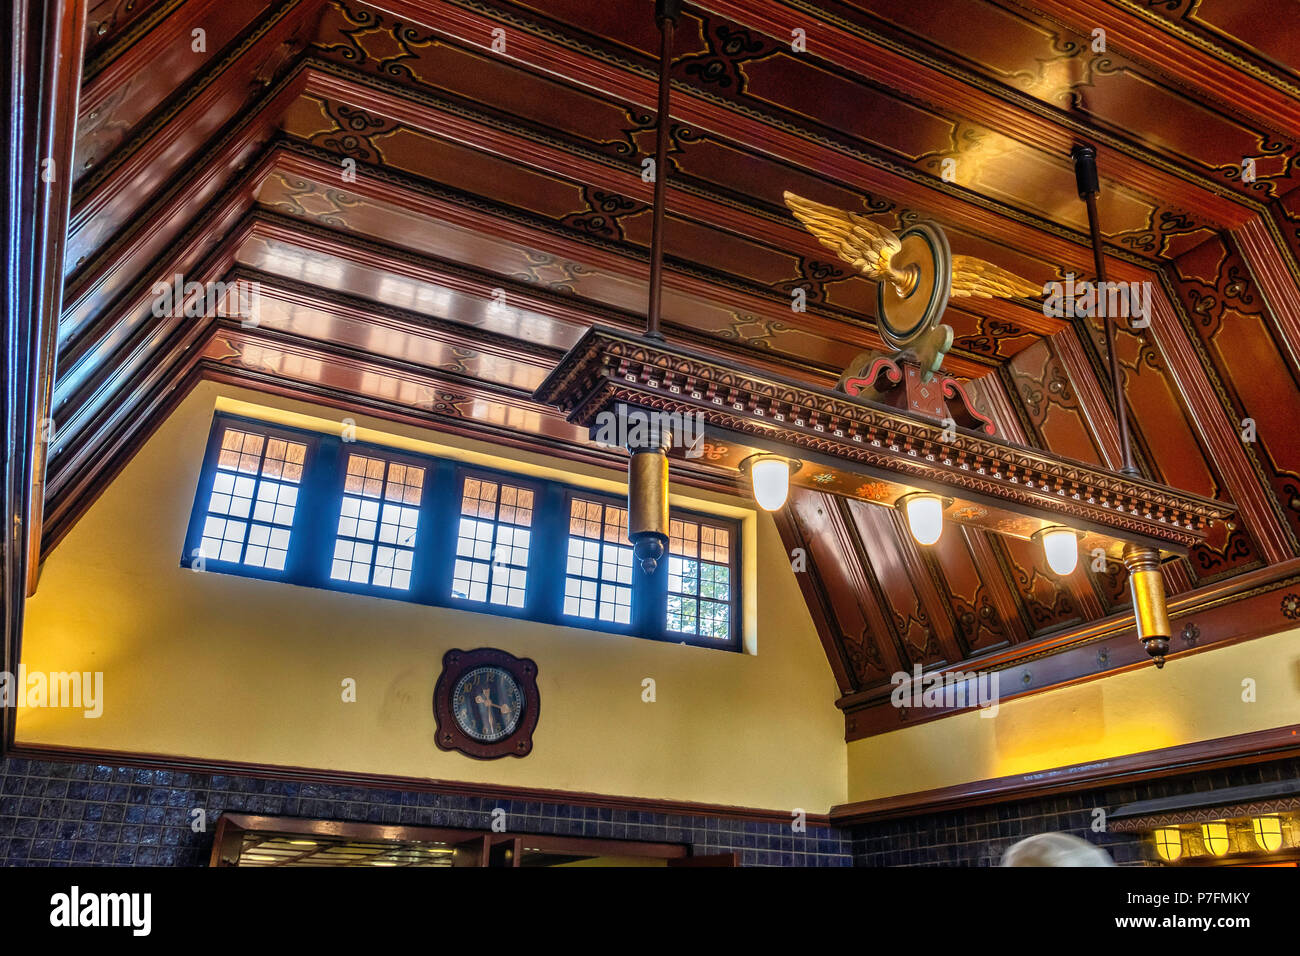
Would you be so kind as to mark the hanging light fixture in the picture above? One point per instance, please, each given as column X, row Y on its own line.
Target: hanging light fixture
column 1060, row 547
column 1169, row 843
column 1146, row 582
column 769, row 475
column 647, row 469
column 857, row 425
column 924, row 513
column 647, row 503
column 1268, row 832
column 1215, row 836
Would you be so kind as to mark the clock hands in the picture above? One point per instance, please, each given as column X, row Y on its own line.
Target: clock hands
column 486, row 698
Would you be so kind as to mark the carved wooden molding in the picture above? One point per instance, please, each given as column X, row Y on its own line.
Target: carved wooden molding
column 607, row 367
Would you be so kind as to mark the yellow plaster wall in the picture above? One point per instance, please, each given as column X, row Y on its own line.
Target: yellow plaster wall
column 1192, row 699
column 226, row 667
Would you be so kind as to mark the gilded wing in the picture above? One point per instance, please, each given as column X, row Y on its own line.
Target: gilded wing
column 971, row 276
column 850, row 235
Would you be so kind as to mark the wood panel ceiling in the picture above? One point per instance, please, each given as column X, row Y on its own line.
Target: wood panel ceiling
column 436, row 197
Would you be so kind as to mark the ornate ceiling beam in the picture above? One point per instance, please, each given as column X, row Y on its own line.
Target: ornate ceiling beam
column 1035, row 125
column 1003, row 487
column 1271, row 264
column 1145, row 34
column 126, row 90
column 156, row 167
column 1093, row 400
column 568, row 315
column 1220, row 434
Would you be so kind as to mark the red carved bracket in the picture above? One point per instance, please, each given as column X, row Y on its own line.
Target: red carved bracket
column 943, row 397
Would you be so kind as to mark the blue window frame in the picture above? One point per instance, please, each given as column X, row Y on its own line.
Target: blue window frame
column 314, row 510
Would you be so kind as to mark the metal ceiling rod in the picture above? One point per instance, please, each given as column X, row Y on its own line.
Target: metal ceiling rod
column 647, row 466
column 1085, row 176
column 666, row 13
column 1146, row 582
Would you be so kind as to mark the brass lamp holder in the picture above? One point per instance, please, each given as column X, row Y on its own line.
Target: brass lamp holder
column 647, row 501
column 1147, row 585
column 747, row 464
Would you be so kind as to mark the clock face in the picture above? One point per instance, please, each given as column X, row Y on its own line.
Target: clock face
column 487, row 703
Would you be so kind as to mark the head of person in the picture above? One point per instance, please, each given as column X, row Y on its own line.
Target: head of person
column 1055, row 849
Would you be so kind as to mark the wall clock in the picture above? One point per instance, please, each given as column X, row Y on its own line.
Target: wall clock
column 486, row 703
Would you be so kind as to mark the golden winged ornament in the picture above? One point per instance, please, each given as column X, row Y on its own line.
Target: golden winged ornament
column 917, row 273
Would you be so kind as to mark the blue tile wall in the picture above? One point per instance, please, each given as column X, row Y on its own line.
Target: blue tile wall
column 978, row 836
column 58, row 814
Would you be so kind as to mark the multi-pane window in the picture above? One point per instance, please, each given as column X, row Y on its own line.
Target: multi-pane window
column 492, row 542
column 699, row 579
column 487, row 540
column 378, row 519
column 254, row 496
column 598, row 573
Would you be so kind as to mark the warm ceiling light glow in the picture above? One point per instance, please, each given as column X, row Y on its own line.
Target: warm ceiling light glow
column 770, row 476
column 924, row 517
column 1268, row 832
column 1169, row 843
column 1061, row 547
column 1215, row 835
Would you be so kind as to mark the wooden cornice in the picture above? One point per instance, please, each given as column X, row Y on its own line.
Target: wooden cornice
column 144, row 50
column 162, row 144
column 608, row 367
column 107, row 206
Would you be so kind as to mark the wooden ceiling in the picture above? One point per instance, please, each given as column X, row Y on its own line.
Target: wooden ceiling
column 437, row 197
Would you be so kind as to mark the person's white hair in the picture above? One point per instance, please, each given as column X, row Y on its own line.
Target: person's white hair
column 1055, row 849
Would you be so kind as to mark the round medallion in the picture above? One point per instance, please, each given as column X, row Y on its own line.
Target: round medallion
column 904, row 314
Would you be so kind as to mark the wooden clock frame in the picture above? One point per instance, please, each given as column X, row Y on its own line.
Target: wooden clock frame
column 449, row 736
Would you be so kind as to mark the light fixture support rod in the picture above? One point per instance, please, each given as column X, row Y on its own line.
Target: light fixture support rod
column 666, row 13
column 1085, row 175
